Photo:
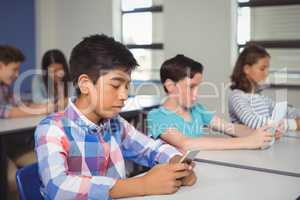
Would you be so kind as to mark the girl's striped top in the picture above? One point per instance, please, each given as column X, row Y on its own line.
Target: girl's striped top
column 255, row 110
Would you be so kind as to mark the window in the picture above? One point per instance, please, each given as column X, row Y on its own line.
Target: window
column 142, row 33
column 275, row 25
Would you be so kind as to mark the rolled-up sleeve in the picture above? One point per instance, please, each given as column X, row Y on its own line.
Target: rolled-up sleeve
column 59, row 183
column 5, row 110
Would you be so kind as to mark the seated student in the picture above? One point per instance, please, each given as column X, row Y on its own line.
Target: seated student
column 180, row 120
column 53, row 83
column 246, row 104
column 81, row 151
column 10, row 60
column 20, row 149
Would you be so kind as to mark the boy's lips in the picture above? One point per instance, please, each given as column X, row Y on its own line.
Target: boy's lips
column 118, row 107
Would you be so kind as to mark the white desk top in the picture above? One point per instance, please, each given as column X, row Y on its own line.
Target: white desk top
column 292, row 134
column 282, row 156
column 7, row 125
column 220, row 182
column 133, row 103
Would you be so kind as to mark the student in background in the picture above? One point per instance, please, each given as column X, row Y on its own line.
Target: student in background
column 52, row 85
column 180, row 120
column 85, row 146
column 246, row 104
column 20, row 148
column 10, row 60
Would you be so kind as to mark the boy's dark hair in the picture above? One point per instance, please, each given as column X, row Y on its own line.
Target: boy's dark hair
column 51, row 57
column 99, row 53
column 249, row 56
column 9, row 54
column 179, row 67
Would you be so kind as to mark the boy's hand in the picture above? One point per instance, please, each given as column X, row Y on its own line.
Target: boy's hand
column 165, row 178
column 191, row 178
column 259, row 138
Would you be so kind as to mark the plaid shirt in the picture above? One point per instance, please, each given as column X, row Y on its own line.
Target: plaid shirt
column 81, row 160
column 7, row 100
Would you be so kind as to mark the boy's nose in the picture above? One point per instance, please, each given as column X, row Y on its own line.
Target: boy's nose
column 123, row 95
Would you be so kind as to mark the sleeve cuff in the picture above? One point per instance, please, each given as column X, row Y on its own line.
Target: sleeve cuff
column 101, row 187
column 7, row 111
column 166, row 153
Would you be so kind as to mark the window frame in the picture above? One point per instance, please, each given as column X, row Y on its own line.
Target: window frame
column 151, row 46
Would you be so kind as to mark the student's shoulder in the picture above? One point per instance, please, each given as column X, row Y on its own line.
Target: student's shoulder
column 52, row 118
column 53, row 121
column 158, row 113
column 199, row 108
column 237, row 93
column 50, row 125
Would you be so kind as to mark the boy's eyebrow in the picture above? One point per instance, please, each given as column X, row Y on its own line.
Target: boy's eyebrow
column 121, row 79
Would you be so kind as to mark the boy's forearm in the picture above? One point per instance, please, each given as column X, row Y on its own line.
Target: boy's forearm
column 29, row 110
column 128, row 188
column 18, row 112
column 214, row 143
column 237, row 130
column 241, row 130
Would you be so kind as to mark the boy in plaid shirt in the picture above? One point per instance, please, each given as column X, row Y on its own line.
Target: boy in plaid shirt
column 81, row 151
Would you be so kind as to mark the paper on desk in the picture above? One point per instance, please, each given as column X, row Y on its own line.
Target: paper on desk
column 278, row 114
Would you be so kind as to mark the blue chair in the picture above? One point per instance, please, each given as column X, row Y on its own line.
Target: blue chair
column 28, row 183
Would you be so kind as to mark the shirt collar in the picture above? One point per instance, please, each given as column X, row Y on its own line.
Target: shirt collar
column 74, row 114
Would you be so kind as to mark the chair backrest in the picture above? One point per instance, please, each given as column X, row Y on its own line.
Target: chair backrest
column 28, row 183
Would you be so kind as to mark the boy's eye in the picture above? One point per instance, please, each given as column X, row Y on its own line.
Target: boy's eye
column 115, row 86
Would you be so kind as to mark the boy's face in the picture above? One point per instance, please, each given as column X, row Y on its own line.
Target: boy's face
column 9, row 72
column 109, row 93
column 186, row 90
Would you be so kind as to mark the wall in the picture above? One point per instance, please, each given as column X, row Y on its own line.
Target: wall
column 18, row 28
column 63, row 23
column 280, row 23
column 203, row 30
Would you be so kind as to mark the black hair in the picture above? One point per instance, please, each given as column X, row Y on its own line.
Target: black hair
column 9, row 54
column 179, row 67
column 98, row 53
column 55, row 56
column 249, row 56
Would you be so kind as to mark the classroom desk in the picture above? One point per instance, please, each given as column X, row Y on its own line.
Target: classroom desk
column 281, row 158
column 134, row 110
column 292, row 134
column 222, row 182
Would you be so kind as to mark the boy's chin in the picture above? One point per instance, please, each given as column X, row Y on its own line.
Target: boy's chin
column 110, row 114
column 8, row 82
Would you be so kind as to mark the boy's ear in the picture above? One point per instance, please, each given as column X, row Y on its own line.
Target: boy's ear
column 84, row 83
column 170, row 85
column 1, row 65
